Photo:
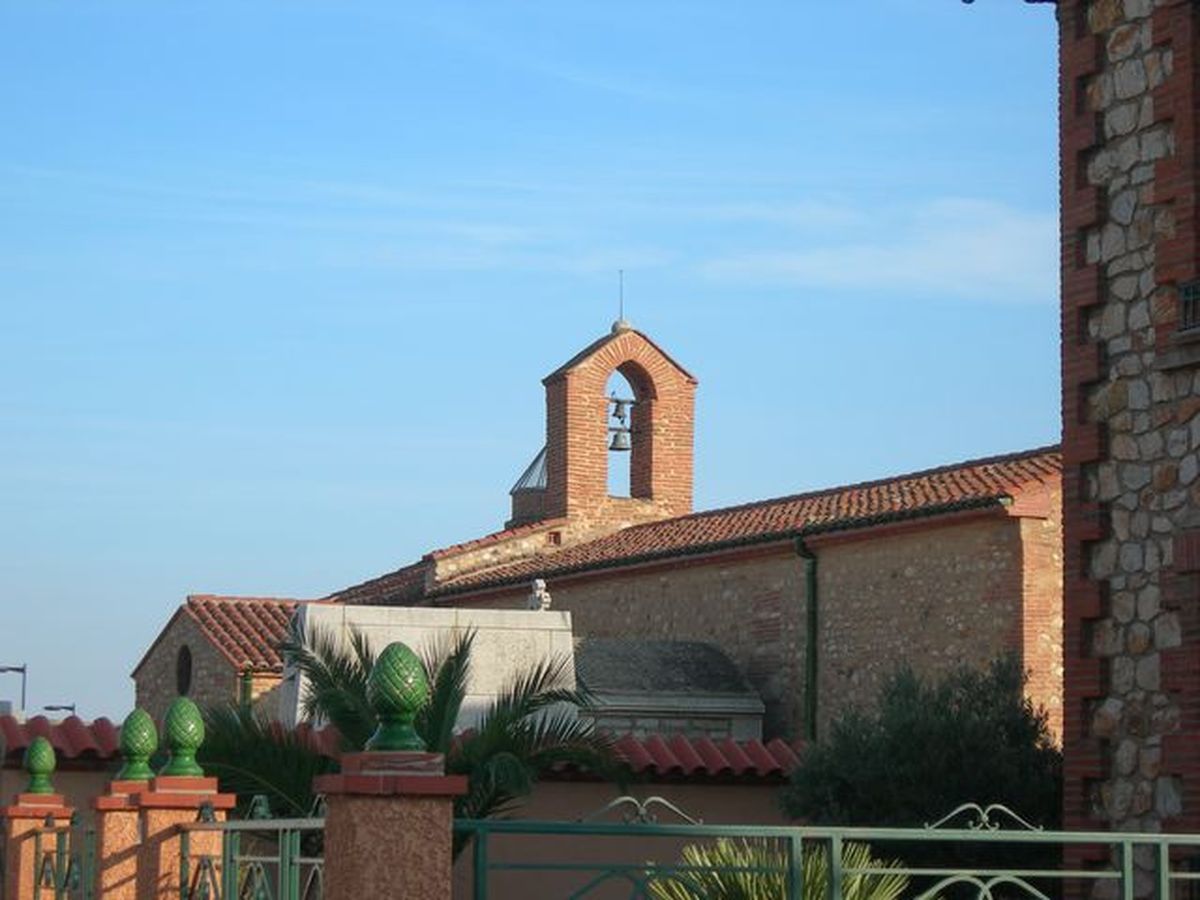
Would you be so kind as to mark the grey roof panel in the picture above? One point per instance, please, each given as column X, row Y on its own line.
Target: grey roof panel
column 624, row 665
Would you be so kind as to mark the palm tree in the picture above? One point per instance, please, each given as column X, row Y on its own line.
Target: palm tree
column 530, row 728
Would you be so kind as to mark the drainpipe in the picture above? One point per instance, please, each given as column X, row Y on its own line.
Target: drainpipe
column 246, row 688
column 810, row 639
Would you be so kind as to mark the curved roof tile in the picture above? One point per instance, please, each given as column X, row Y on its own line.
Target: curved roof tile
column 973, row 484
column 245, row 629
column 71, row 738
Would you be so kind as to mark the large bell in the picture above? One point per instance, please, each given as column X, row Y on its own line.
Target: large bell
column 620, row 442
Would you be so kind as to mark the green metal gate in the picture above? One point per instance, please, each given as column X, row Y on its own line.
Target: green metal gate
column 260, row 858
column 65, row 860
column 980, row 853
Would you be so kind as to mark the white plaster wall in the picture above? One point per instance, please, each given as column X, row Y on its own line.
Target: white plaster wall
column 506, row 642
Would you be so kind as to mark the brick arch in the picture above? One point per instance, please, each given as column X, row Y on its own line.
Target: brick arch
column 640, row 380
column 577, row 423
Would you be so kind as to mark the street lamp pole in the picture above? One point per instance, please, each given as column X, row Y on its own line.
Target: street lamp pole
column 24, row 670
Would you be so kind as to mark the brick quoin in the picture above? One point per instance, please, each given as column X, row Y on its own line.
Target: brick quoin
column 1128, row 103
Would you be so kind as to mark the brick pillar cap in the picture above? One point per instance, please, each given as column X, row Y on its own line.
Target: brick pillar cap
column 37, row 806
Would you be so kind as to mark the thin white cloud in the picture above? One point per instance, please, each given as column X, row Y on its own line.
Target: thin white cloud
column 801, row 214
column 965, row 249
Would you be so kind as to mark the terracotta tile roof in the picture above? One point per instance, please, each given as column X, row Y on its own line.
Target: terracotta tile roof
column 684, row 757
column 654, row 756
column 496, row 537
column 405, row 585
column 966, row 485
column 244, row 629
column 72, row 738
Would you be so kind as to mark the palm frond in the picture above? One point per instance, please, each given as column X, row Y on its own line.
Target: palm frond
column 540, row 685
column 335, row 680
column 447, row 664
column 251, row 754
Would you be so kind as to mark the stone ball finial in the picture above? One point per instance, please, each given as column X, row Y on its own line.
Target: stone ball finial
column 184, row 733
column 139, row 740
column 39, row 763
column 397, row 688
column 621, row 325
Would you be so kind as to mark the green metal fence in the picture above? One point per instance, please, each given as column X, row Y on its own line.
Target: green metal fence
column 65, row 860
column 976, row 857
column 259, row 859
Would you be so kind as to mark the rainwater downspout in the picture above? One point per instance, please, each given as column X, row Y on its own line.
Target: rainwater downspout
column 246, row 689
column 810, row 639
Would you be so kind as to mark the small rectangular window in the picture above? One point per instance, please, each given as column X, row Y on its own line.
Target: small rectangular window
column 1189, row 306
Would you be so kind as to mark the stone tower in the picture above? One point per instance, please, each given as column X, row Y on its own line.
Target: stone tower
column 570, row 480
column 1129, row 93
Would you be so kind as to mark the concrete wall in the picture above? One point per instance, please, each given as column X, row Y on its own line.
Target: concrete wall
column 507, row 642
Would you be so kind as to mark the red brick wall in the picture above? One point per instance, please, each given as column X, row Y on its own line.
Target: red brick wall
column 577, row 435
column 1041, row 612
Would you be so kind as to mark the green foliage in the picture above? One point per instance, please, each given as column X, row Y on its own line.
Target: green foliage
column 253, row 756
column 335, row 681
column 528, row 729
column 756, row 870
column 927, row 747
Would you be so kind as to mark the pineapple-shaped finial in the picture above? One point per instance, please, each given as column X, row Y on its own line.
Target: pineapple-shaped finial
column 39, row 764
column 139, row 740
column 184, row 733
column 397, row 688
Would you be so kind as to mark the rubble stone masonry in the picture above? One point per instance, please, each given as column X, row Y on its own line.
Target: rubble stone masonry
column 1131, row 414
column 934, row 594
column 213, row 682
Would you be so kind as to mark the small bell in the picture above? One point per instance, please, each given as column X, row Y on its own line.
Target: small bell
column 620, row 410
column 620, row 442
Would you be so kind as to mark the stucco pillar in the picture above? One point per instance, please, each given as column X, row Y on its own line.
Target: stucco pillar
column 172, row 801
column 388, row 826
column 38, row 810
column 29, row 814
column 116, row 819
column 389, row 815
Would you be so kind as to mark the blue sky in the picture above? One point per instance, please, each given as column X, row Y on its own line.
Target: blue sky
column 279, row 280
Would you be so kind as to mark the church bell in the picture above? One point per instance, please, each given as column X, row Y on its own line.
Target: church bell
column 620, row 442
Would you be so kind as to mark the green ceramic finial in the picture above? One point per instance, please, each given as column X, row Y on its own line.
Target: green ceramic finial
column 139, row 740
column 396, row 689
column 184, row 732
column 39, row 764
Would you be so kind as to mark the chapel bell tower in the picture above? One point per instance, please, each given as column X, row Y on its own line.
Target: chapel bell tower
column 587, row 424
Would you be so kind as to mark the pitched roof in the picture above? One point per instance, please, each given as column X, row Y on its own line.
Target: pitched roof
column 244, row 629
column 404, row 585
column 595, row 346
column 684, row 757
column 72, row 738
column 656, row 756
column 973, row 484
